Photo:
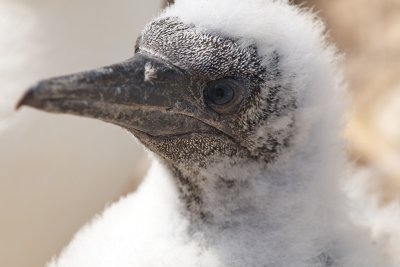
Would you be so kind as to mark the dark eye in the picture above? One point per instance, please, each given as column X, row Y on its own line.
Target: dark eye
column 220, row 94
column 224, row 95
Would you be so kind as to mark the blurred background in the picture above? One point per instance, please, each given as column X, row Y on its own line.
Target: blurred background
column 57, row 171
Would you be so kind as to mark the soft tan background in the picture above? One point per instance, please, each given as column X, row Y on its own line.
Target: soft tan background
column 56, row 172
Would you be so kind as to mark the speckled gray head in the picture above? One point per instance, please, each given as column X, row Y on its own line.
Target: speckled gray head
column 230, row 90
column 189, row 95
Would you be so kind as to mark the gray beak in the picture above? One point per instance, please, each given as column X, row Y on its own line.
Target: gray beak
column 143, row 94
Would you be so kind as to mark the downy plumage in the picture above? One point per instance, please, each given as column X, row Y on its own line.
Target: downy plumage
column 240, row 102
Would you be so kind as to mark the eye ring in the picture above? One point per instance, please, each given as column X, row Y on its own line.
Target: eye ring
column 223, row 95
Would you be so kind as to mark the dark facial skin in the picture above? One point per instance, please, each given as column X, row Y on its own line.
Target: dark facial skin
column 183, row 96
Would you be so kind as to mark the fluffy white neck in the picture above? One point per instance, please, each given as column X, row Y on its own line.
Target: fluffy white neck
column 287, row 216
column 291, row 213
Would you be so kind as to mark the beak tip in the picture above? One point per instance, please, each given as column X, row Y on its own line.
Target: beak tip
column 28, row 99
column 27, row 95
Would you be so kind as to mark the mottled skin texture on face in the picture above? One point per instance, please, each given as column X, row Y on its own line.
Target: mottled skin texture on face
column 206, row 57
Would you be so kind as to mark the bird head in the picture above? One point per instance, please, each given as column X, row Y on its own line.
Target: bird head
column 201, row 86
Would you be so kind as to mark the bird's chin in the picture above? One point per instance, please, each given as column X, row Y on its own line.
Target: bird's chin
column 191, row 149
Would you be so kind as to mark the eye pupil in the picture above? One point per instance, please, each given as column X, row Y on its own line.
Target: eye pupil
column 220, row 94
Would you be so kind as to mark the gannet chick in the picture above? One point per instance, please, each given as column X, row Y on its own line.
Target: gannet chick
column 239, row 102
